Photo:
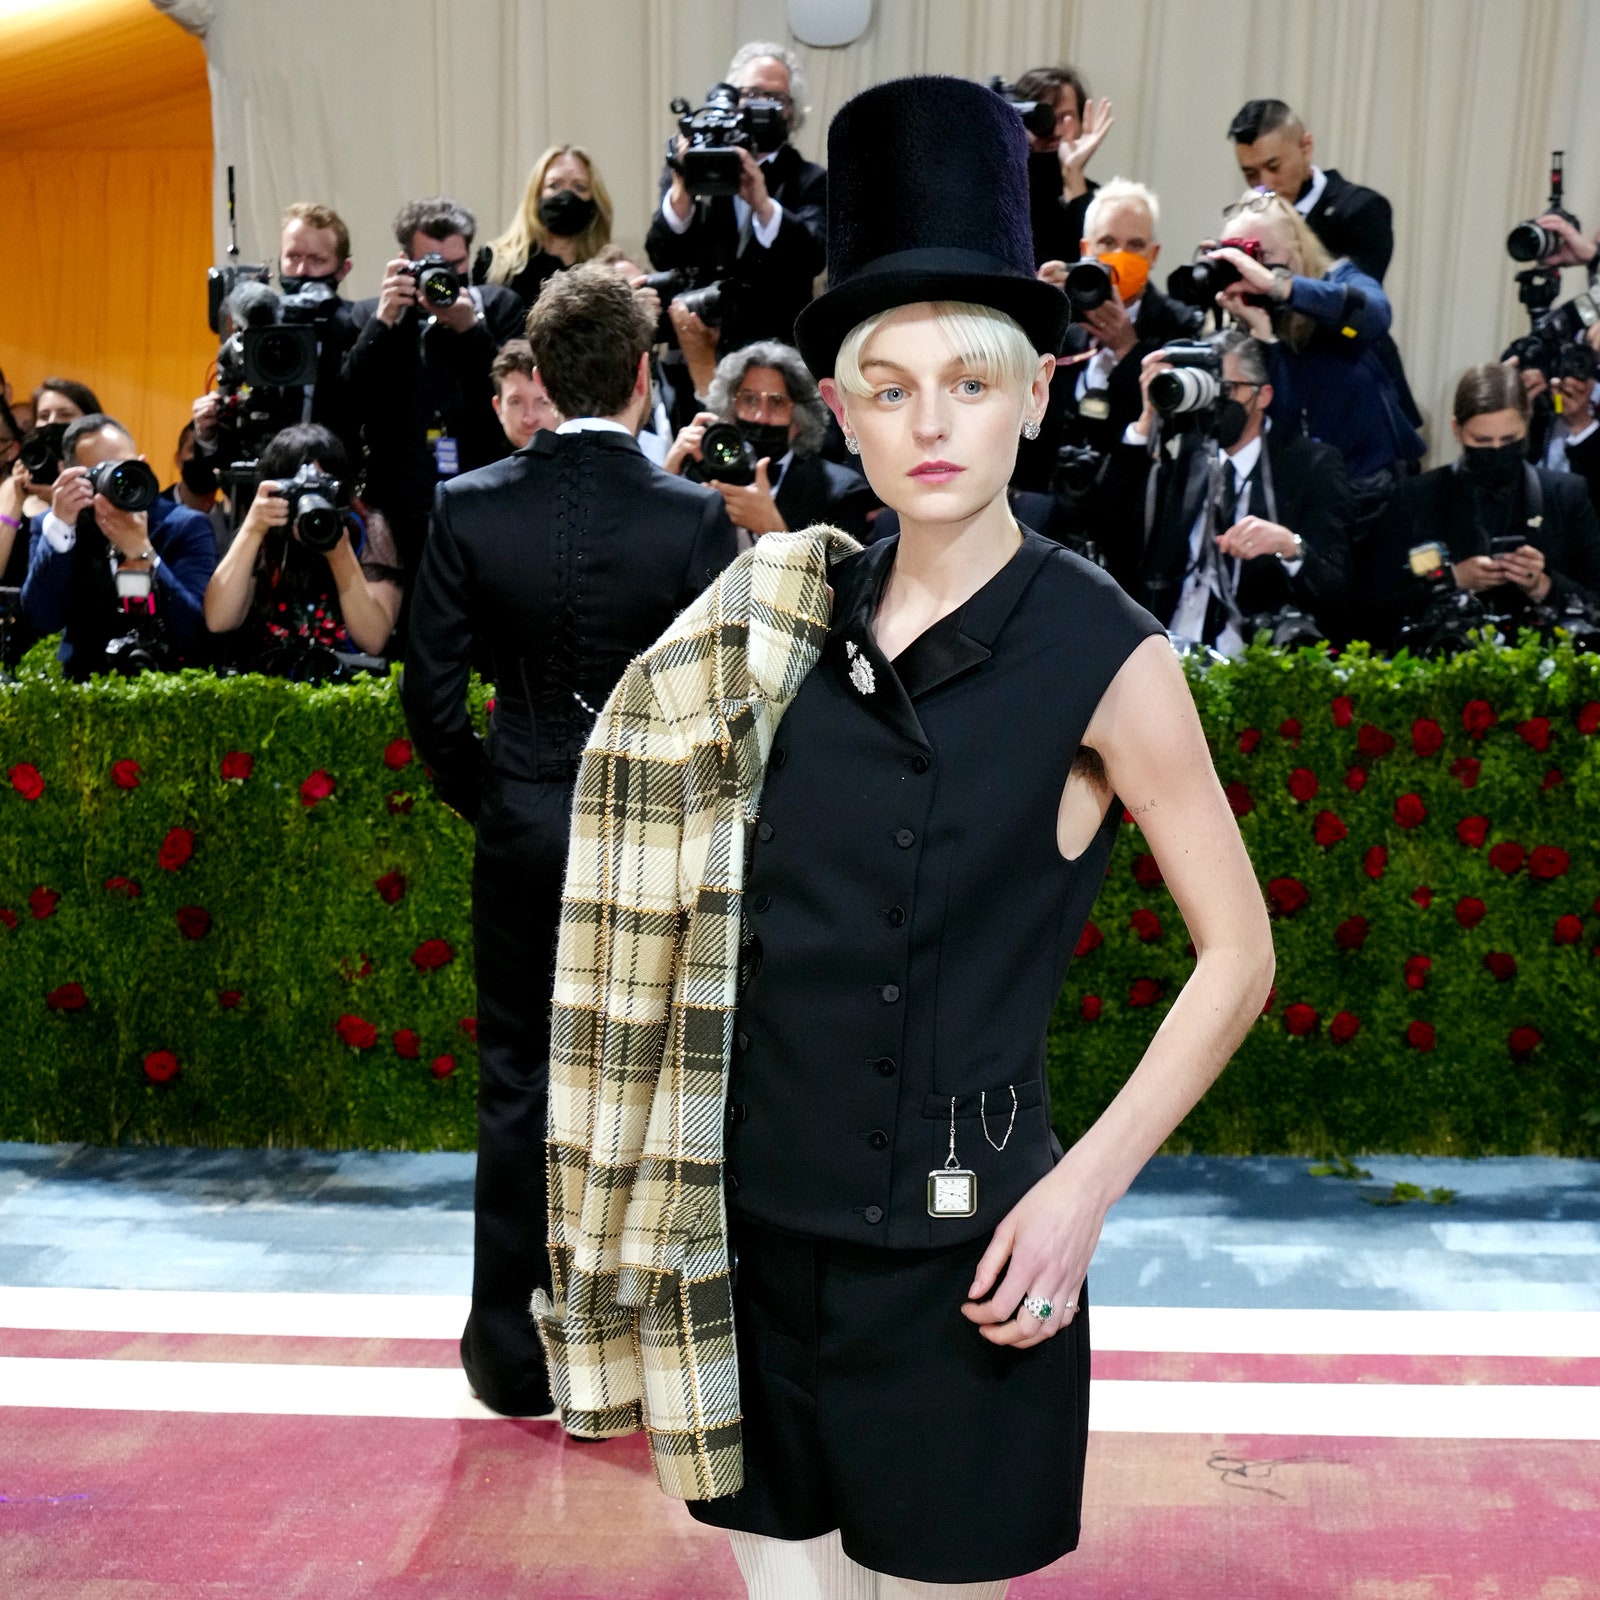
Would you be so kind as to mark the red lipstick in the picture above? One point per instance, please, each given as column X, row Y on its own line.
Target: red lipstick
column 936, row 471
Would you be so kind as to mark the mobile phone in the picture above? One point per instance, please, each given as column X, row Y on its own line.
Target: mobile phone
column 1505, row 544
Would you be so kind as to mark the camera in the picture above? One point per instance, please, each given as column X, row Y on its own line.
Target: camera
column 40, row 452
column 1288, row 628
column 438, row 283
column 128, row 485
column 1088, row 285
column 220, row 285
column 144, row 647
column 1195, row 384
column 726, row 455
column 717, row 131
column 1556, row 338
column 1449, row 615
column 712, row 302
column 1038, row 118
column 314, row 511
column 1198, row 283
column 1529, row 241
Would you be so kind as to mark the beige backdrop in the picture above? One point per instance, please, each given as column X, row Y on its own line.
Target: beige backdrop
column 1450, row 107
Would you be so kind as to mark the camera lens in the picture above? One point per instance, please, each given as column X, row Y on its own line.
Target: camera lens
column 439, row 286
column 128, row 485
column 723, row 445
column 317, row 522
column 1184, row 390
column 705, row 303
column 41, row 452
column 1529, row 242
column 278, row 356
column 1088, row 284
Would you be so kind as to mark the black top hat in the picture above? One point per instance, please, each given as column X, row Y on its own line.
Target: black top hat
column 927, row 200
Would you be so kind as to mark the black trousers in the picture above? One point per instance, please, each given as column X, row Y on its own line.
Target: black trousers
column 516, row 906
column 871, row 1405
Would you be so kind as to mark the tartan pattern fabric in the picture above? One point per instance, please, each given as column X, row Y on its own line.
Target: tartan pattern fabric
column 638, row 1327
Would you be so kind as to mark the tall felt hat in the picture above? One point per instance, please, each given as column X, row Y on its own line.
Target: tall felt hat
column 927, row 200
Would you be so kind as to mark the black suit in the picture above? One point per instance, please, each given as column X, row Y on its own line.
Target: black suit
column 1583, row 459
column 813, row 490
column 558, row 565
column 1354, row 222
column 774, row 283
column 1057, row 222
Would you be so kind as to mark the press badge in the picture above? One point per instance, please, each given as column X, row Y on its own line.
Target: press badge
column 446, row 453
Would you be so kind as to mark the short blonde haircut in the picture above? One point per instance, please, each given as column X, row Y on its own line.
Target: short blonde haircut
column 988, row 341
column 1123, row 192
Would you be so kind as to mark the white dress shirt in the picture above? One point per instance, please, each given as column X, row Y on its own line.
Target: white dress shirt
column 1319, row 182
column 762, row 232
column 1096, row 371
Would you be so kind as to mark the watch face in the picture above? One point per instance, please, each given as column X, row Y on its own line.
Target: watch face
column 952, row 1193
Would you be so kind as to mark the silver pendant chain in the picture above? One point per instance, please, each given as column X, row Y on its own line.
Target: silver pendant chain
column 983, row 1118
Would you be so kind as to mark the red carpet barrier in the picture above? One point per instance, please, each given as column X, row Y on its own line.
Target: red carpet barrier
column 232, row 913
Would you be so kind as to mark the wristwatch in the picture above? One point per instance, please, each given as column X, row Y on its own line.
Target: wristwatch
column 1299, row 550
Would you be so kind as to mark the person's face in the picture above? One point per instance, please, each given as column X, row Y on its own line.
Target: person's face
column 1280, row 161
column 1277, row 248
column 308, row 252
column 455, row 250
column 10, row 444
column 105, row 444
column 766, row 78
column 1490, row 429
column 567, row 172
column 763, row 397
column 938, row 441
column 1253, row 397
column 524, row 408
column 1123, row 226
column 56, row 407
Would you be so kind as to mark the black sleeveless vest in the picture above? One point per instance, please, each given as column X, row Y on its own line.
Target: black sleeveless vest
column 910, row 917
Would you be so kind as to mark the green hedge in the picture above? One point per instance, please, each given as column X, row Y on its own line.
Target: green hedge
column 201, row 948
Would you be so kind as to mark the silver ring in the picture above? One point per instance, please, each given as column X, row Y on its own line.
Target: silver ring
column 1037, row 1306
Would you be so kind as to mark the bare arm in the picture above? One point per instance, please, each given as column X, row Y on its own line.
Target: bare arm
column 369, row 607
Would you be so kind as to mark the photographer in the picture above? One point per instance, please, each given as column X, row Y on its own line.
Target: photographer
column 1246, row 520
column 422, row 368
column 25, row 491
column 125, row 583
column 521, row 401
column 1058, row 191
column 565, row 218
column 772, row 241
column 1568, row 439
column 1519, row 537
column 287, row 590
column 781, row 482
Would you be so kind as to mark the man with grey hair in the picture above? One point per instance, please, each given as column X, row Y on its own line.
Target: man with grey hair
column 770, row 241
column 767, row 392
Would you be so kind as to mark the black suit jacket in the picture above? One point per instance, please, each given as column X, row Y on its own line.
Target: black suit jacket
column 813, row 490
column 555, row 566
column 775, row 282
column 1355, row 222
column 1312, row 499
column 1057, row 222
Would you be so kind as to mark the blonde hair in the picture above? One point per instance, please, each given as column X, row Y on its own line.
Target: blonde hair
column 1118, row 192
column 527, row 235
column 988, row 341
column 1311, row 260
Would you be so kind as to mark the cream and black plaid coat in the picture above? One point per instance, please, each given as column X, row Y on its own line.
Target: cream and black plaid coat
column 639, row 1327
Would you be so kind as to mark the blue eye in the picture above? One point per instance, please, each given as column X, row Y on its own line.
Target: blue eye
column 972, row 386
column 893, row 393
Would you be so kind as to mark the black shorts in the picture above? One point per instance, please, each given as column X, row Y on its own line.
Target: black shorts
column 871, row 1405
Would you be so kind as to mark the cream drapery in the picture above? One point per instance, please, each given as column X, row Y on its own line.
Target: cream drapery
column 1450, row 107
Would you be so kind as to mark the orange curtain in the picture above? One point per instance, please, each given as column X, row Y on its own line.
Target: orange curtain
column 105, row 166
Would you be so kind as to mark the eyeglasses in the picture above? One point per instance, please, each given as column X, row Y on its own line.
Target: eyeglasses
column 752, row 400
column 1228, row 385
column 766, row 94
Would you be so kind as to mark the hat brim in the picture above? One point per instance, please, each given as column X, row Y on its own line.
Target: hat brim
column 1039, row 308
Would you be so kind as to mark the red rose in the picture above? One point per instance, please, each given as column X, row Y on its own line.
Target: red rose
column 194, row 922
column 316, row 788
column 1373, row 742
column 407, row 1044
column 1423, row 895
column 1240, row 801
column 1146, row 873
column 1419, row 1035
column 356, row 1032
column 1289, row 729
column 1344, row 708
column 43, row 902
column 1500, row 966
column 1144, row 992
column 399, row 803
column 1427, row 737
column 443, row 1066
column 1344, row 1027
column 469, row 1026
column 25, row 779
column 229, row 999
column 1146, row 924
column 397, row 755
column 8, row 917
column 1470, row 911
column 391, row 887
column 1089, row 1008
column 1477, row 717
column 69, row 997
column 176, row 848
column 1409, row 811
column 1535, row 732
column 1351, row 934
column 1303, row 783
column 488, row 706
column 1355, row 779
column 1375, row 862
column 1472, row 831
column 125, row 774
column 1568, row 929
column 1552, row 778
column 1328, row 830
column 1287, row 895
column 237, row 765
column 1127, row 822
column 1524, row 1041
column 1251, row 737
column 1507, row 857
column 1090, row 939
column 1299, row 1020
column 1417, row 970
column 1589, row 719
column 1548, row 861
column 432, row 954
column 161, row 1066
column 121, row 885
column 1467, row 769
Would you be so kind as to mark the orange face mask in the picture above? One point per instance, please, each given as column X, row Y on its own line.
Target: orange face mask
column 1129, row 272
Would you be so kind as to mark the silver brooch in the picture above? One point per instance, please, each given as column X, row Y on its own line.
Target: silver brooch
column 861, row 673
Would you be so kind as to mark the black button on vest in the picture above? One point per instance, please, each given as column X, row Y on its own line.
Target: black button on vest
column 933, row 964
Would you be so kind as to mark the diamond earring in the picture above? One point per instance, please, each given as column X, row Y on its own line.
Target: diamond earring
column 1030, row 430
column 851, row 445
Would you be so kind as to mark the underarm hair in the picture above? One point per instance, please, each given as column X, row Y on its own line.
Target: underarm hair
column 1087, row 764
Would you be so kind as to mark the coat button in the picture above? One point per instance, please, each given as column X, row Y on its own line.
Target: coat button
column 890, row 993
column 920, row 764
column 779, row 756
column 878, row 1139
column 763, row 831
column 896, row 916
column 762, row 902
column 873, row 1213
column 742, row 1040
column 905, row 838
column 885, row 1066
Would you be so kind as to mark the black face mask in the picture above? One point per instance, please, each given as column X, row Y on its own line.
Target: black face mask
column 1493, row 466
column 769, row 439
column 1228, row 426
column 566, row 212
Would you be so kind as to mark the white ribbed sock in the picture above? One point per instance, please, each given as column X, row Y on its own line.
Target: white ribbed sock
column 818, row 1569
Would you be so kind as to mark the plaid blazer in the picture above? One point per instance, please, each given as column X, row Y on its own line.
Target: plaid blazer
column 639, row 1325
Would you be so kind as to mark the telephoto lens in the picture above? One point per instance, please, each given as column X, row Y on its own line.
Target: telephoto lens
column 1530, row 242
column 1088, row 284
column 128, row 485
column 1198, row 283
column 726, row 456
column 706, row 303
